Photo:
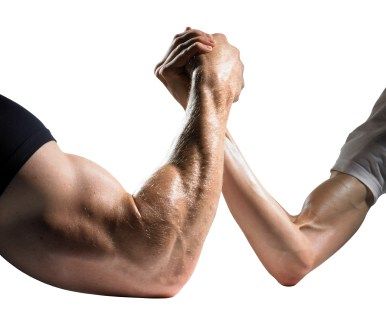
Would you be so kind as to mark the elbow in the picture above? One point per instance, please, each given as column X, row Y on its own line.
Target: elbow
column 169, row 284
column 167, row 291
column 289, row 280
column 152, row 292
column 294, row 272
column 164, row 278
column 167, row 288
column 158, row 286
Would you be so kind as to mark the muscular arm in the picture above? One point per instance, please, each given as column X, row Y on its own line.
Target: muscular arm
column 291, row 246
column 176, row 206
column 288, row 246
column 67, row 222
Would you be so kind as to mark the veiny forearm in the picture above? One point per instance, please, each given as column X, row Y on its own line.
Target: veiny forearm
column 178, row 203
column 291, row 246
column 67, row 222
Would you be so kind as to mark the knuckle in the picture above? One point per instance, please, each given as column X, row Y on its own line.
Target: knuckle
column 186, row 37
column 196, row 39
column 157, row 67
column 196, row 32
column 185, row 45
column 179, row 46
column 194, row 46
column 163, row 71
column 160, row 71
column 176, row 41
column 184, row 52
column 156, row 72
column 219, row 36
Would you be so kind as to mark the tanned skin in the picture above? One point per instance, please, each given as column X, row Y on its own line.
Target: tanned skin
column 289, row 246
column 66, row 221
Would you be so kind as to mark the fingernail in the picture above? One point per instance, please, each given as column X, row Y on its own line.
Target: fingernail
column 209, row 47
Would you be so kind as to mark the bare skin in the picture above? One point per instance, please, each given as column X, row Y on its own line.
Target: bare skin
column 289, row 246
column 66, row 221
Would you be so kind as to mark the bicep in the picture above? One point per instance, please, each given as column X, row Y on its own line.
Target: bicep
column 331, row 215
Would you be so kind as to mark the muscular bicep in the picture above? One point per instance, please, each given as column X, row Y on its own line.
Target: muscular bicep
column 332, row 213
column 84, row 232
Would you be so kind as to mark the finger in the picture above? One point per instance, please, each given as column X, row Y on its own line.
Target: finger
column 158, row 74
column 187, row 34
column 181, row 60
column 181, row 38
column 185, row 55
column 183, row 46
column 178, row 50
column 219, row 37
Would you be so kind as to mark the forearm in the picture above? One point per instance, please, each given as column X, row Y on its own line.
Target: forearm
column 179, row 202
column 277, row 241
column 199, row 153
column 291, row 246
column 177, row 205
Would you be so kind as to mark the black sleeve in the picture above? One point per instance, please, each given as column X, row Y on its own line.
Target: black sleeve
column 21, row 135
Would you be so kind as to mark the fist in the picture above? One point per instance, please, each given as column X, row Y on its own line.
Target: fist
column 172, row 70
column 222, row 67
column 193, row 52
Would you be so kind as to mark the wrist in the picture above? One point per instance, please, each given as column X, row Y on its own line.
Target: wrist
column 208, row 83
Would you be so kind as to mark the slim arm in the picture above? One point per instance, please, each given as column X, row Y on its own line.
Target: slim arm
column 291, row 246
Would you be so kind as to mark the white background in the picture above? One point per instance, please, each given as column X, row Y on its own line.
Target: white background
column 313, row 70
